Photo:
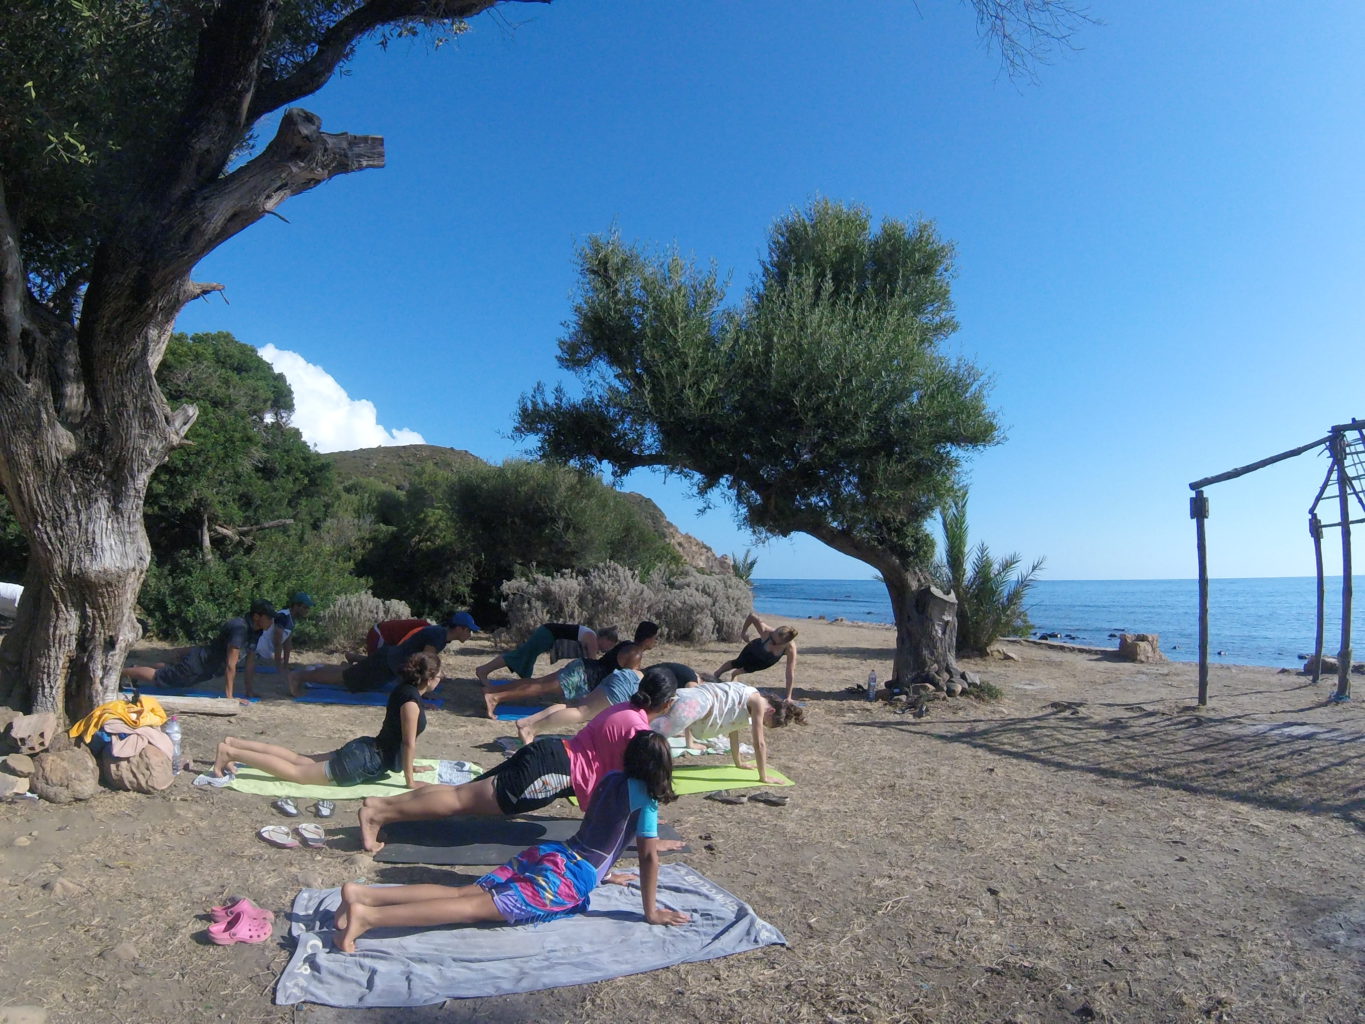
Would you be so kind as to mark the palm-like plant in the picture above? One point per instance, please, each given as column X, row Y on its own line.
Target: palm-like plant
column 743, row 565
column 990, row 592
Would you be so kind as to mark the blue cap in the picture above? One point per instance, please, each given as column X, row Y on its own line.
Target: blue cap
column 462, row 619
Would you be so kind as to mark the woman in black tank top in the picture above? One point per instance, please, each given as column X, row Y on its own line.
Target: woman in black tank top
column 764, row 651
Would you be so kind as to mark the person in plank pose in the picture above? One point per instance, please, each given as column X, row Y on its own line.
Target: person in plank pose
column 703, row 711
column 522, row 659
column 764, row 651
column 377, row 670
column 545, row 881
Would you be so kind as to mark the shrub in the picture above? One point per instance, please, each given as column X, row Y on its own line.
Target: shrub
column 343, row 622
column 743, row 565
column 689, row 606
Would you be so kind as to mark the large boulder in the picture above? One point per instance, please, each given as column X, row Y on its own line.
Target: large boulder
column 1140, row 647
column 147, row 771
column 65, row 775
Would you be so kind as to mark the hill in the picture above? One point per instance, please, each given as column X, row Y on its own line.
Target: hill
column 396, row 464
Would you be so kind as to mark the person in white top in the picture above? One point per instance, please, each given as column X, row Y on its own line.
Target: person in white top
column 702, row 711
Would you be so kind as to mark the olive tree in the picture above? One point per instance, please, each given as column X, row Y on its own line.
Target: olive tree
column 822, row 403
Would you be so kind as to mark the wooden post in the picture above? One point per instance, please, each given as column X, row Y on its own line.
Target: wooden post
column 1315, row 529
column 1199, row 511
column 1343, row 501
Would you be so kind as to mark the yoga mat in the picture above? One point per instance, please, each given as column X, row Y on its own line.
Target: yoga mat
column 170, row 691
column 417, row 967
column 470, row 840
column 370, row 698
column 516, row 712
column 258, row 783
column 711, row 778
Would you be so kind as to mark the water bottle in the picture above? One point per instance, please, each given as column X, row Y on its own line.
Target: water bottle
column 172, row 729
column 872, row 685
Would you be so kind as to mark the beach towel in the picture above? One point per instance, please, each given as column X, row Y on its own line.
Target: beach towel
column 258, row 783
column 478, row 839
column 417, row 967
column 516, row 712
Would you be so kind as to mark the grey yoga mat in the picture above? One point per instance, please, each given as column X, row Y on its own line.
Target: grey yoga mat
column 478, row 840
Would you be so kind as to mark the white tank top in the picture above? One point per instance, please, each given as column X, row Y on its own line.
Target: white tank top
column 727, row 708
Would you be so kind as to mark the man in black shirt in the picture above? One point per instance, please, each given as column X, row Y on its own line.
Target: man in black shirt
column 200, row 664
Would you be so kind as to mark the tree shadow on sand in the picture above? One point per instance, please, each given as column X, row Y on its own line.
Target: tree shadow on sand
column 1281, row 765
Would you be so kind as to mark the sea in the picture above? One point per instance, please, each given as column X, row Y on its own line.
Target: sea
column 1251, row 621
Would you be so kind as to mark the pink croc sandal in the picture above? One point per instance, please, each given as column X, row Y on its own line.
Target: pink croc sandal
column 278, row 835
column 241, row 906
column 240, row 927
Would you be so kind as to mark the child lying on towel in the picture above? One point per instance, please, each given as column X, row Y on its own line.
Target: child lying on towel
column 547, row 880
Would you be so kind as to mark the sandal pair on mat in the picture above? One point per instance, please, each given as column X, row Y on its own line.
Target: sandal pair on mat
column 277, row 835
column 240, row 921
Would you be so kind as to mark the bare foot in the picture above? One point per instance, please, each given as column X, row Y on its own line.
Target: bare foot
column 525, row 732
column 350, row 919
column 665, row 845
column 490, row 703
column 369, row 830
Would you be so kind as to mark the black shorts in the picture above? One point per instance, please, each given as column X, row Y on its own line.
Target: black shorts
column 371, row 673
column 356, row 762
column 194, row 668
column 534, row 777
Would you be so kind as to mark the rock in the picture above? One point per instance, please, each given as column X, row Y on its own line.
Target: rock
column 65, row 776
column 971, row 678
column 17, row 764
column 147, row 771
column 8, row 715
column 23, row 841
column 32, row 734
column 953, row 688
column 63, row 888
column 1329, row 665
column 12, row 785
column 1143, row 648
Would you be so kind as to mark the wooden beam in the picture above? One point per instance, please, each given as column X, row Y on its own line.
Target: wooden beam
column 1343, row 497
column 1199, row 511
column 1232, row 474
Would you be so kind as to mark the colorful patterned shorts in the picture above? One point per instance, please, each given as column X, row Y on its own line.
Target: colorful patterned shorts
column 541, row 883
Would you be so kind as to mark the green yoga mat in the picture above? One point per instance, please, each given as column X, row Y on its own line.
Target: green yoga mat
column 258, row 783
column 712, row 778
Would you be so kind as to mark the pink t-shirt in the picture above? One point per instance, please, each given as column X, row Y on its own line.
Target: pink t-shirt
column 600, row 747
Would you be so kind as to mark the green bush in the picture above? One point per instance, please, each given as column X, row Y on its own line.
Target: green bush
column 990, row 592
column 345, row 621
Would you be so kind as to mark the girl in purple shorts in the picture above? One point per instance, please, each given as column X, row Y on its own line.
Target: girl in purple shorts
column 547, row 880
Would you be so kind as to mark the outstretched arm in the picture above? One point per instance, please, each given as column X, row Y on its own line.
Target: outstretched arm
column 649, row 884
column 759, row 625
column 757, row 705
column 791, row 668
column 230, row 671
column 408, row 716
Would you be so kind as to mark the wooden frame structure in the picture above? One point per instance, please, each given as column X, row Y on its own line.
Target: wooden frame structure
column 1345, row 447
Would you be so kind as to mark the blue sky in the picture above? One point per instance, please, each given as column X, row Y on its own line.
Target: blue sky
column 1161, row 243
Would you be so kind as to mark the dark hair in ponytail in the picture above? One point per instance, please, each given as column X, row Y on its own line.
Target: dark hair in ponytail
column 420, row 667
column 648, row 759
column 656, row 689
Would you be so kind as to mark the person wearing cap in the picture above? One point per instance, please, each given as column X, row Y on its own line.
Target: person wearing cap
column 201, row 663
column 276, row 643
column 377, row 670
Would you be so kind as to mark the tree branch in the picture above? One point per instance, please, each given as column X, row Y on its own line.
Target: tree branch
column 336, row 44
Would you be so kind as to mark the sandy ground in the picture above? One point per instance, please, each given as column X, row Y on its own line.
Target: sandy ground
column 1090, row 847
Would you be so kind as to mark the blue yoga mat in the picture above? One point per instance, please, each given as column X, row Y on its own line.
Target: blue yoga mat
column 516, row 712
column 370, row 698
column 163, row 691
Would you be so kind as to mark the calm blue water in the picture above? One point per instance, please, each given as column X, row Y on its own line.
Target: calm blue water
column 1252, row 622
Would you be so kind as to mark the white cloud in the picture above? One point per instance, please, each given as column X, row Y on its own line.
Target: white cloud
column 328, row 418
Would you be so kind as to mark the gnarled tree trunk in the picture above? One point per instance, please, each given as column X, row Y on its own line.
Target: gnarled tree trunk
column 926, row 631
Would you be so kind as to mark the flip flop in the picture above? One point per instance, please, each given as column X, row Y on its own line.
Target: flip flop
column 239, row 906
column 216, row 781
column 728, row 798
column 771, row 799
column 324, row 808
column 278, row 835
column 312, row 835
column 287, row 807
column 240, row 928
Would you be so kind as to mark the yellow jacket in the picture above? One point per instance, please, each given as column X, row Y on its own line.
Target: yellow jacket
column 147, row 711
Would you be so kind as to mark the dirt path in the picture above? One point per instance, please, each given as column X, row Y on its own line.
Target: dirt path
column 1087, row 848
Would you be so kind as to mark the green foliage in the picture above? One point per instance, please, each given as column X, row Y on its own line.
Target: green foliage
column 743, row 566
column 990, row 592
column 343, row 622
column 456, row 537
column 244, row 467
column 821, row 404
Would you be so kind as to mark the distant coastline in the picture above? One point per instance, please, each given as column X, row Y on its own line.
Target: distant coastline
column 1258, row 621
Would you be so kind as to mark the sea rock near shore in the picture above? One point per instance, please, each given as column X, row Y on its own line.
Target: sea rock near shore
column 1143, row 648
